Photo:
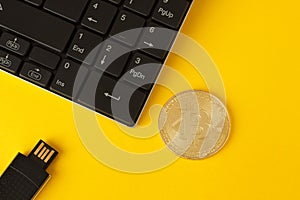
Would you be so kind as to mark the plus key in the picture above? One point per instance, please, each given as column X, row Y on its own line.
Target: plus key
column 99, row 16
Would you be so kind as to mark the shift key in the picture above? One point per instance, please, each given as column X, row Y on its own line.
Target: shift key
column 35, row 24
column 35, row 74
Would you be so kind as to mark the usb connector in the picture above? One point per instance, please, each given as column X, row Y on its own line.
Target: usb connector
column 42, row 154
column 26, row 175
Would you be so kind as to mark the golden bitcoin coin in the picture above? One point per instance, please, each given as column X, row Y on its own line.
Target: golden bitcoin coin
column 194, row 124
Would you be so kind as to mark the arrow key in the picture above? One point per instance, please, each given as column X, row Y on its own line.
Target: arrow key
column 35, row 74
column 157, row 40
column 113, row 58
column 9, row 62
column 14, row 44
column 99, row 16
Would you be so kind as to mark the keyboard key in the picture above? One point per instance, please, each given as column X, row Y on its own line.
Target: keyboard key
column 141, row 7
column 171, row 12
column 142, row 71
column 35, row 24
column 157, row 40
column 14, row 44
column 121, row 102
column 64, row 81
column 35, row 74
column 99, row 16
column 35, row 2
column 85, row 46
column 124, row 22
column 9, row 62
column 70, row 9
column 44, row 57
column 113, row 58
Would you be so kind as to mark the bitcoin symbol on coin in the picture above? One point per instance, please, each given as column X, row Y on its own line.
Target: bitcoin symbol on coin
column 194, row 124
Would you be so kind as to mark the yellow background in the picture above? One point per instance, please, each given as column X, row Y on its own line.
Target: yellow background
column 255, row 45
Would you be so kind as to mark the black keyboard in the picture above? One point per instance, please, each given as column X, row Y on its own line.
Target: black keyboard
column 92, row 52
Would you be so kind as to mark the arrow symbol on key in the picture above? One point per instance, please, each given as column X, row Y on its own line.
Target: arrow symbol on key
column 103, row 60
column 92, row 20
column 149, row 44
column 1, row 7
column 112, row 97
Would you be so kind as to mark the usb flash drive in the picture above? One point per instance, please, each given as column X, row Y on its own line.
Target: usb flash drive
column 25, row 176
